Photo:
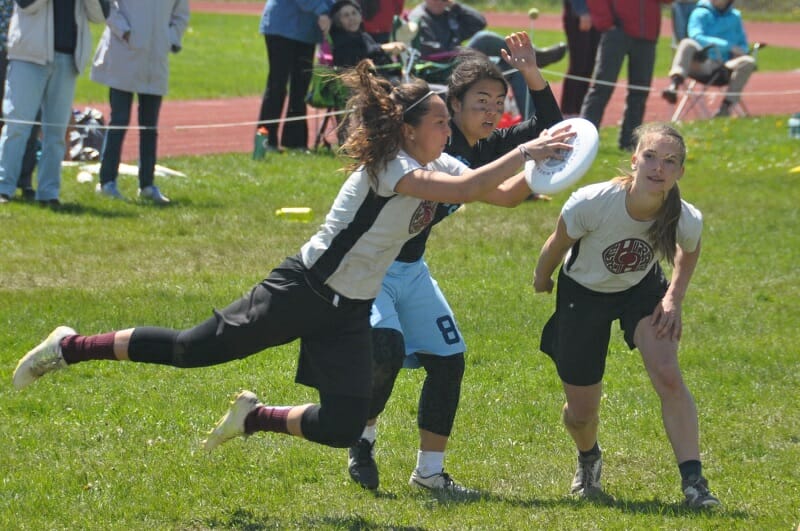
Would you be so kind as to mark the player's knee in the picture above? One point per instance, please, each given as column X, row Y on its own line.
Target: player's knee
column 578, row 422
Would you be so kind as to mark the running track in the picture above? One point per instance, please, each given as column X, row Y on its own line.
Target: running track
column 770, row 92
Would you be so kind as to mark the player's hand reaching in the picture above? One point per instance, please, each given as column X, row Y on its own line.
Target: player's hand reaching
column 549, row 144
column 520, row 54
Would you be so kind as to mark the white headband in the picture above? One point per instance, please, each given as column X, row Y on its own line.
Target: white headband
column 423, row 98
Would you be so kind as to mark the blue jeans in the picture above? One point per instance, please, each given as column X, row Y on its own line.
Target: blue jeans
column 149, row 108
column 30, row 87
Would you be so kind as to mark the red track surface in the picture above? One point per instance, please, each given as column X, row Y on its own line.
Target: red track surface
column 768, row 93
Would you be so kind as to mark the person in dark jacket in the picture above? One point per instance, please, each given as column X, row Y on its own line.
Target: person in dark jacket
column 629, row 29
column 351, row 43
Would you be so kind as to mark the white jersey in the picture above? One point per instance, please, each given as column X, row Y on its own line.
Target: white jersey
column 367, row 226
column 614, row 252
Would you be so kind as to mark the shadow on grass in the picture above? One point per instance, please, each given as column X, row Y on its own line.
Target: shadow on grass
column 245, row 520
column 646, row 507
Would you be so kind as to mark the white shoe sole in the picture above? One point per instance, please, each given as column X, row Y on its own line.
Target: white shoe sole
column 231, row 425
column 41, row 359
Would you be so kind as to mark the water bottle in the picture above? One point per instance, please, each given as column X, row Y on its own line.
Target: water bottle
column 303, row 214
column 260, row 143
column 794, row 126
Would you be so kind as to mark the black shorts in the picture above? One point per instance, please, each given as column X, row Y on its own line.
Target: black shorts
column 334, row 332
column 578, row 333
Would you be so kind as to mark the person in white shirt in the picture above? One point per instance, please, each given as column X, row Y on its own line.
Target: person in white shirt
column 610, row 237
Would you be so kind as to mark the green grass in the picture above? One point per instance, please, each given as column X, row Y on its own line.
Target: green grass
column 225, row 56
column 115, row 446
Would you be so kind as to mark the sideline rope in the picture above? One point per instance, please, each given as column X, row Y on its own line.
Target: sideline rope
column 341, row 112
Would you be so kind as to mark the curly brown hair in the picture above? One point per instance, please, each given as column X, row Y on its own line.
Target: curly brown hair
column 377, row 112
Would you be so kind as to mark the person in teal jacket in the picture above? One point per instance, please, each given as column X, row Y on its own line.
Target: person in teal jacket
column 715, row 28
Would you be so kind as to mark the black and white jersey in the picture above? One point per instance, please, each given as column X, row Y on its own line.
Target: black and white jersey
column 367, row 226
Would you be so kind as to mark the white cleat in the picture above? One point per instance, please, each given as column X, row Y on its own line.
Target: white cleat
column 46, row 357
column 231, row 425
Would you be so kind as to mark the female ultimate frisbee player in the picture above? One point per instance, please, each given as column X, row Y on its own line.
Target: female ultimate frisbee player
column 611, row 236
column 324, row 294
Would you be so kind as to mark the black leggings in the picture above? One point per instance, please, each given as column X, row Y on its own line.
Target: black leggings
column 337, row 421
column 441, row 391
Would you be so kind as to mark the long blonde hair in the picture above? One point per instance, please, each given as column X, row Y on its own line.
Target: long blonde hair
column 663, row 232
column 378, row 111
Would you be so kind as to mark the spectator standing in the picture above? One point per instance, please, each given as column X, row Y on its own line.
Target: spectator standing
column 379, row 18
column 582, row 40
column 717, row 26
column 629, row 28
column 49, row 44
column 25, row 182
column 291, row 29
column 132, row 57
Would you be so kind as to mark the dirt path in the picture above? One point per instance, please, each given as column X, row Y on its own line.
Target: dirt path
column 182, row 131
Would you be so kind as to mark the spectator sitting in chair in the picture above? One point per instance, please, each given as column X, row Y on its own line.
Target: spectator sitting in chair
column 351, row 43
column 716, row 39
column 445, row 24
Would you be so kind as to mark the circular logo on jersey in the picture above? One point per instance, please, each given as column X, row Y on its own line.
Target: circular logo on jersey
column 422, row 216
column 627, row 256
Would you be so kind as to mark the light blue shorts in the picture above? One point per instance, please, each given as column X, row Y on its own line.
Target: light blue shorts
column 411, row 302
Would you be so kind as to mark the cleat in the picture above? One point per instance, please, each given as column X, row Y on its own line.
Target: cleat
column 361, row 465
column 154, row 194
column 586, row 482
column 439, row 482
column 46, row 357
column 231, row 425
column 697, row 494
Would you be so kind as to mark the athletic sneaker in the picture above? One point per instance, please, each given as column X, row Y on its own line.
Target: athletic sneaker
column 361, row 465
column 154, row 194
column 697, row 494
column 440, row 482
column 586, row 482
column 46, row 357
column 232, row 423
column 109, row 189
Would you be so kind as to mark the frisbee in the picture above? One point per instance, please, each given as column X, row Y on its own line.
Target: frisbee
column 553, row 175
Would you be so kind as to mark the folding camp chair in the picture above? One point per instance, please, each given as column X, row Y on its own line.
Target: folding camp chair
column 703, row 91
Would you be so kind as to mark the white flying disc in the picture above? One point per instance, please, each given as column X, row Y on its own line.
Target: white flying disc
column 553, row 175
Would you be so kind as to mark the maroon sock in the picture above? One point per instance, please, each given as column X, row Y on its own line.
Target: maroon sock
column 84, row 348
column 267, row 418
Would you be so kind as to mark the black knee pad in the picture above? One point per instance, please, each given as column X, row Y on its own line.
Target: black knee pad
column 441, row 392
column 338, row 421
column 388, row 354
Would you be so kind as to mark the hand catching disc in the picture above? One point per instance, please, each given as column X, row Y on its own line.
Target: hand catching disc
column 553, row 175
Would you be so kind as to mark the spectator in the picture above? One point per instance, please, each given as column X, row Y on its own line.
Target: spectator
column 132, row 58
column 351, row 43
column 717, row 34
column 25, row 182
column 379, row 18
column 629, row 28
column 681, row 9
column 291, row 29
column 582, row 41
column 49, row 44
column 445, row 24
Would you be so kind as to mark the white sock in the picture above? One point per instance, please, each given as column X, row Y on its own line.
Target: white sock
column 429, row 463
column 370, row 433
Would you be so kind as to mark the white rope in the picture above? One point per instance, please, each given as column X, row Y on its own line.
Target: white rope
column 747, row 94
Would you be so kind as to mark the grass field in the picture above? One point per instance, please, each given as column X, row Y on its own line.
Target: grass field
column 116, row 446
